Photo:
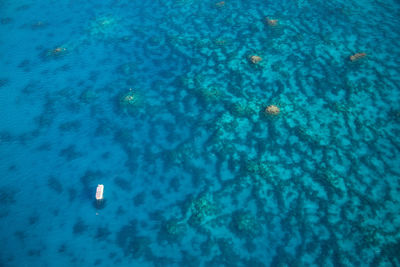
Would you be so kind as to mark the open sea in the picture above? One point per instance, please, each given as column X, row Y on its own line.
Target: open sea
column 225, row 133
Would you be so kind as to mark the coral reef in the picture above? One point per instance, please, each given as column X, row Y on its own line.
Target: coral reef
column 245, row 141
column 130, row 101
column 357, row 56
column 210, row 95
column 220, row 4
column 255, row 59
column 271, row 22
column 201, row 209
column 56, row 52
column 172, row 230
column 245, row 225
column 272, row 110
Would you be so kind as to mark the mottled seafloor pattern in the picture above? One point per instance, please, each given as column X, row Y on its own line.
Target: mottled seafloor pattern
column 158, row 101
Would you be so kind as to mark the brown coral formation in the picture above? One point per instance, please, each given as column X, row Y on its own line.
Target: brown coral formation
column 58, row 50
column 220, row 4
column 255, row 59
column 357, row 56
column 272, row 22
column 272, row 110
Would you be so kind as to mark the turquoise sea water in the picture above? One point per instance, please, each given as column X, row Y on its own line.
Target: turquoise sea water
column 160, row 102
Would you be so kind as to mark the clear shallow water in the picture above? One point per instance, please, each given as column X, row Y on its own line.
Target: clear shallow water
column 158, row 101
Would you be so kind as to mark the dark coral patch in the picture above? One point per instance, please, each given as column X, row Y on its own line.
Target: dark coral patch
column 139, row 199
column 102, row 233
column 122, row 183
column 54, row 184
column 7, row 196
column 79, row 227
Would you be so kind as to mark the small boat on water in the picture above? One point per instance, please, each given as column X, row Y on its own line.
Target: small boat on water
column 99, row 192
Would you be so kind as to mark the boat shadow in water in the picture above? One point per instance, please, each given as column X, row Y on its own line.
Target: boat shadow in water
column 99, row 204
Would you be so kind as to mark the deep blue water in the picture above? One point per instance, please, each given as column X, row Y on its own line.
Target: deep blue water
column 160, row 102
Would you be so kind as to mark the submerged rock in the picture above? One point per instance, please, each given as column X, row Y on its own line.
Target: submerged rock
column 272, row 110
column 255, row 59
